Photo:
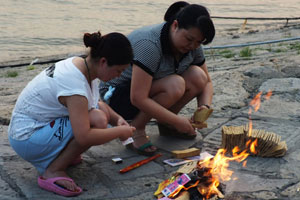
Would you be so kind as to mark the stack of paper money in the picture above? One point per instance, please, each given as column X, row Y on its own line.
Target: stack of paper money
column 268, row 144
column 200, row 117
column 233, row 136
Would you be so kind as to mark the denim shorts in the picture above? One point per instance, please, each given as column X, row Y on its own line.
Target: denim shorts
column 45, row 144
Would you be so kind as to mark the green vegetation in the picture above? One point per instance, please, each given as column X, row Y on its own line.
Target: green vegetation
column 295, row 46
column 227, row 53
column 288, row 35
column 30, row 67
column 12, row 74
column 269, row 49
column 281, row 47
column 246, row 52
column 280, row 50
column 258, row 48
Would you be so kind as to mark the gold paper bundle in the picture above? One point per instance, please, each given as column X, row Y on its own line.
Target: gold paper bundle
column 233, row 136
column 200, row 117
column 259, row 142
column 186, row 153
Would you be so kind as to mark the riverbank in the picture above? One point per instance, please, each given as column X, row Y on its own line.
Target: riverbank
column 238, row 74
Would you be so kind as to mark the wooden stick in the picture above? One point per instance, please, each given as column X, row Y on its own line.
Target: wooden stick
column 139, row 163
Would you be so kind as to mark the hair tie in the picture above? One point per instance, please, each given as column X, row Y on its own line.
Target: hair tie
column 99, row 34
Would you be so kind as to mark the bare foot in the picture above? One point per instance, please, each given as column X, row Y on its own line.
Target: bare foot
column 64, row 183
column 140, row 138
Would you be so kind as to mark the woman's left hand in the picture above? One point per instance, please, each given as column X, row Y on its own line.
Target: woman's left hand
column 192, row 120
column 122, row 122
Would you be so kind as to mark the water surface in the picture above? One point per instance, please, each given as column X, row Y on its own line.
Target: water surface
column 36, row 28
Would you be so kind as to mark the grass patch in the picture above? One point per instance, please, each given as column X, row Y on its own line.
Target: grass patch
column 280, row 50
column 30, row 67
column 246, row 52
column 281, row 44
column 295, row 46
column 259, row 49
column 12, row 74
column 269, row 48
column 227, row 53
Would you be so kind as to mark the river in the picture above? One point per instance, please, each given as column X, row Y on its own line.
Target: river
column 38, row 28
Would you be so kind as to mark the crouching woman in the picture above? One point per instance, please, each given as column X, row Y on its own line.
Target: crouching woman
column 58, row 115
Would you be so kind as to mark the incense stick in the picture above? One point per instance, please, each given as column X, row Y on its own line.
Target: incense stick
column 139, row 163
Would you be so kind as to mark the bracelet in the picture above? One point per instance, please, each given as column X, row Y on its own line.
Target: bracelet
column 207, row 106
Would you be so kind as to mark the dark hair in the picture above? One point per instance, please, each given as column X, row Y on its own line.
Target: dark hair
column 173, row 9
column 115, row 47
column 191, row 15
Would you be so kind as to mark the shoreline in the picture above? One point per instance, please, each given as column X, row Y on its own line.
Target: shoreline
column 235, row 36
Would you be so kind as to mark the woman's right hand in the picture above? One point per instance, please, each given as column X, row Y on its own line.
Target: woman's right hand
column 184, row 125
column 125, row 132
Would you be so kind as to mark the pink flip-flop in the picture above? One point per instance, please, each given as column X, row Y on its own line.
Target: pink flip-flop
column 49, row 185
column 76, row 161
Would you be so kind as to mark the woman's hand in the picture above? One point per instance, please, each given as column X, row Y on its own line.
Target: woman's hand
column 125, row 132
column 184, row 125
column 122, row 122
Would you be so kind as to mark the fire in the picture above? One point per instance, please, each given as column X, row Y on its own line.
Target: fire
column 268, row 95
column 218, row 166
column 253, row 146
column 218, row 169
column 255, row 105
column 212, row 171
column 182, row 187
column 255, row 102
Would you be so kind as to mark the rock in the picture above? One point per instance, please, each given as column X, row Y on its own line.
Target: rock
column 282, row 85
column 263, row 72
column 291, row 71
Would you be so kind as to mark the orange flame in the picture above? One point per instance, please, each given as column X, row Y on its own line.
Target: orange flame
column 244, row 163
column 219, row 164
column 253, row 146
column 182, row 187
column 268, row 95
column 250, row 126
column 255, row 105
column 255, row 102
column 219, row 168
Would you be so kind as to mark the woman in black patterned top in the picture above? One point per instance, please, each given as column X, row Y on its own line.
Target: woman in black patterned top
column 168, row 71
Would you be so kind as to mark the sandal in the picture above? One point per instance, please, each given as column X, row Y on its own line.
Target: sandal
column 50, row 185
column 141, row 150
column 167, row 130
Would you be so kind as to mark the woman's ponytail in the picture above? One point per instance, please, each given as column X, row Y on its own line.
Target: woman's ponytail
column 115, row 47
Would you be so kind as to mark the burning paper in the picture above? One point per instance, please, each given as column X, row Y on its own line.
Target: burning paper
column 255, row 141
column 205, row 175
column 259, row 143
column 208, row 175
column 172, row 188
